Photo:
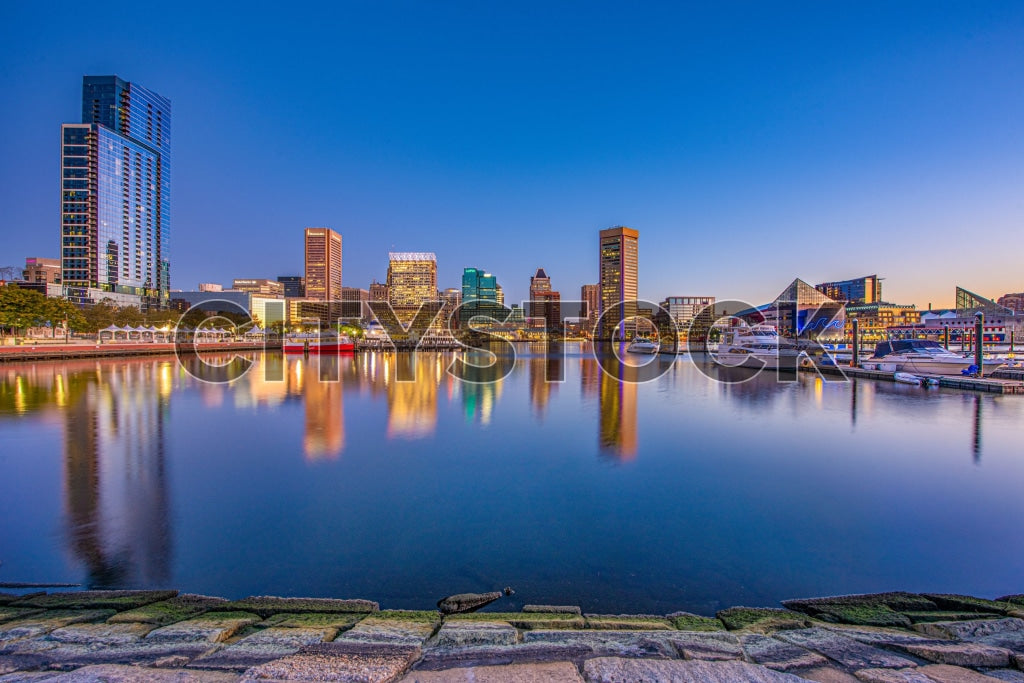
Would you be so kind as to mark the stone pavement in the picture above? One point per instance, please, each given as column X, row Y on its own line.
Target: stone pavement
column 161, row 636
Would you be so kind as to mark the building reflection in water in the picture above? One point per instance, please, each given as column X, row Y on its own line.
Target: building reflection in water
column 324, row 405
column 617, row 403
column 545, row 374
column 115, row 482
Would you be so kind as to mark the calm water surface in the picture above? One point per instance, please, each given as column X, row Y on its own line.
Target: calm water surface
column 682, row 493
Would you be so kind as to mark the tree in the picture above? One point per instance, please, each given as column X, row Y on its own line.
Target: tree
column 61, row 311
column 20, row 309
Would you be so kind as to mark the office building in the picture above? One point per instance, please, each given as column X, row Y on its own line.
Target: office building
column 861, row 290
column 412, row 279
column 261, row 286
column 42, row 270
column 378, row 291
column 683, row 309
column 875, row 319
column 115, row 194
column 545, row 303
column 479, row 295
column 323, row 264
column 355, row 304
column 294, row 285
column 617, row 266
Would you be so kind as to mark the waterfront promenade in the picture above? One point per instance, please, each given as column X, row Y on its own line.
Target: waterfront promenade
column 166, row 636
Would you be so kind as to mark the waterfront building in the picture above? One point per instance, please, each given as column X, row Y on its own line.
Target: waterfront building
column 618, row 268
column 802, row 311
column 545, row 303
column 1000, row 325
column 682, row 310
column 500, row 294
column 115, row 195
column 590, row 295
column 412, row 279
column 355, row 304
column 861, row 290
column 451, row 298
column 42, row 270
column 1015, row 302
column 480, row 295
column 260, row 286
column 209, row 287
column 968, row 303
column 294, row 285
column 874, row 320
column 323, row 264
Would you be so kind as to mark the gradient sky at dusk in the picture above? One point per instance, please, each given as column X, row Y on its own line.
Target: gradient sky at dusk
column 748, row 142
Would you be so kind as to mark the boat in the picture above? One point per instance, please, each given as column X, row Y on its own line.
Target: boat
column 907, row 378
column 756, row 346
column 641, row 345
column 924, row 356
column 311, row 342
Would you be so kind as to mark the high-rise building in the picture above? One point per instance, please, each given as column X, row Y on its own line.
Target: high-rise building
column 479, row 295
column 323, row 264
column 545, row 303
column 590, row 295
column 861, row 290
column 355, row 303
column 42, row 270
column 500, row 295
column 412, row 279
column 115, row 194
column 258, row 286
column 294, row 285
column 682, row 310
column 618, row 263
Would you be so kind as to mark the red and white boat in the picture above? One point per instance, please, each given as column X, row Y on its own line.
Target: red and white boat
column 328, row 342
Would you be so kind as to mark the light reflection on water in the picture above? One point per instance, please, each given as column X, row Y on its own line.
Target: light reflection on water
column 333, row 477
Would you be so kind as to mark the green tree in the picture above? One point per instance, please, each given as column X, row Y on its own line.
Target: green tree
column 20, row 309
column 59, row 312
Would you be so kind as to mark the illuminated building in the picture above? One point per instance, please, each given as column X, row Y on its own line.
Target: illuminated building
column 861, row 290
column 545, row 303
column 294, row 285
column 412, row 279
column 1014, row 302
column 115, row 194
column 875, row 319
column 42, row 270
column 683, row 309
column 323, row 264
column 480, row 295
column 618, row 264
column 258, row 286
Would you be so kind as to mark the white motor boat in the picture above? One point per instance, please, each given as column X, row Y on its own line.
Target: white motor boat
column 641, row 345
column 756, row 346
column 925, row 357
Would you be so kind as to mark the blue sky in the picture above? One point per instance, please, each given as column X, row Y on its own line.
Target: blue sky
column 749, row 142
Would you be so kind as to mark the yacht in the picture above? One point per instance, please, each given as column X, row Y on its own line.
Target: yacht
column 756, row 346
column 924, row 356
column 641, row 345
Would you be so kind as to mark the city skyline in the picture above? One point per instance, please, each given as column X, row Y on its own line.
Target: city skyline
column 821, row 148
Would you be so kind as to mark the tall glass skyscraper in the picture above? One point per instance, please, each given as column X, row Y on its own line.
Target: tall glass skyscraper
column 115, row 194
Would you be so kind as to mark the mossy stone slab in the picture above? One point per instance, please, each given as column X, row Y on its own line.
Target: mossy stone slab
column 267, row 605
column 627, row 622
column 926, row 617
column 339, row 620
column 762, row 619
column 685, row 621
column 116, row 600
column 896, row 601
column 966, row 603
column 12, row 613
column 525, row 620
column 166, row 612
column 863, row 615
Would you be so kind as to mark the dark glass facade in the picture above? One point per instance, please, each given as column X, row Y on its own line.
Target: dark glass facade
column 294, row 285
column 115, row 193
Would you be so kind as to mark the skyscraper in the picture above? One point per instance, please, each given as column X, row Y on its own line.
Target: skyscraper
column 479, row 295
column 545, row 303
column 115, row 194
column 618, row 271
column 591, row 297
column 323, row 264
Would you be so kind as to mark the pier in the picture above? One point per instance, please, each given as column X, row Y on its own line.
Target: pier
column 992, row 385
column 26, row 352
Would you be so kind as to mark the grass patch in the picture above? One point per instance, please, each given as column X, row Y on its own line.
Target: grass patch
column 168, row 611
column 928, row 617
column 626, row 622
column 762, row 618
column 339, row 621
column 524, row 620
column 863, row 615
column 684, row 621
column 267, row 606
column 965, row 603
column 116, row 600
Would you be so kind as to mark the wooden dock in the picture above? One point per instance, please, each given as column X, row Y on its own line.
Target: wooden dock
column 992, row 385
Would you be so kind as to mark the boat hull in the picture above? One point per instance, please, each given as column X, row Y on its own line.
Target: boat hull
column 317, row 348
column 926, row 367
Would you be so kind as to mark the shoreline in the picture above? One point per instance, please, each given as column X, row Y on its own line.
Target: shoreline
column 26, row 352
column 166, row 636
